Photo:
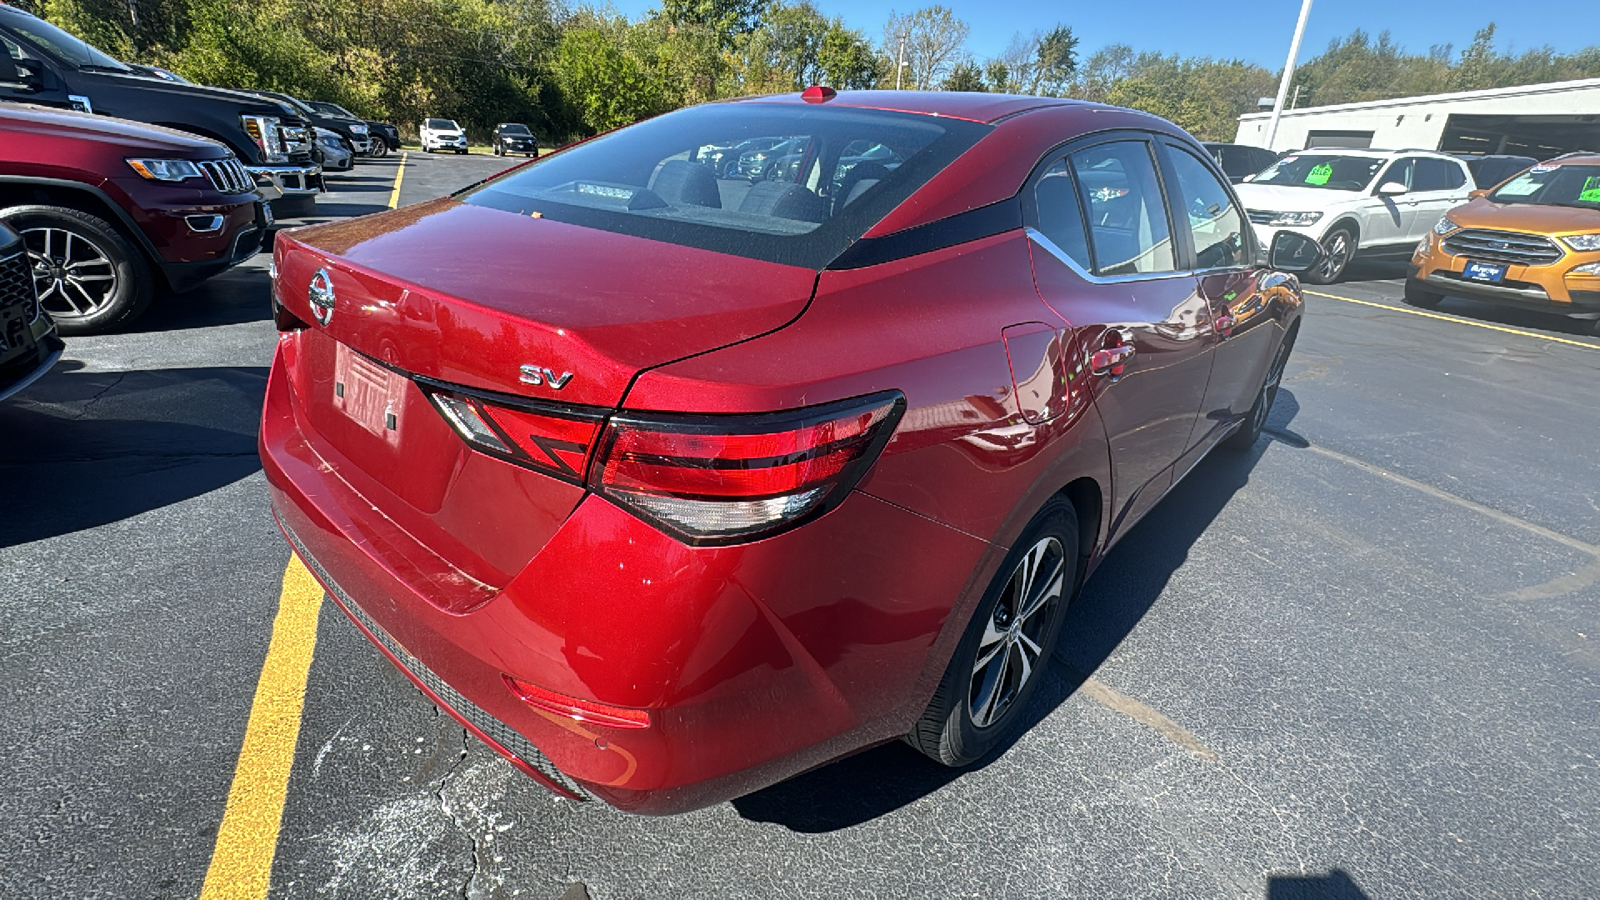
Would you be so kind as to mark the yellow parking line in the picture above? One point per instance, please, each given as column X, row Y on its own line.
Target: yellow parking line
column 399, row 173
column 241, row 862
column 1429, row 315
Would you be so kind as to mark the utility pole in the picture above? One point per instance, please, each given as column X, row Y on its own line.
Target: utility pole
column 1288, row 72
column 900, row 61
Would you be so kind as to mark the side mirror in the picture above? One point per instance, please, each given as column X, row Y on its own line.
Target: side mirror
column 1294, row 252
column 1391, row 189
column 1480, row 192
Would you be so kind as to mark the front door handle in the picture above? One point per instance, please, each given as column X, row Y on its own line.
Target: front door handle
column 1112, row 358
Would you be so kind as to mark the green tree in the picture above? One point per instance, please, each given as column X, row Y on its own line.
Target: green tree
column 964, row 76
column 1056, row 60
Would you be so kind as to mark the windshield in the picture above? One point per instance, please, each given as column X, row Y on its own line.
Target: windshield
column 691, row 178
column 60, row 44
column 333, row 109
column 1336, row 173
column 514, row 129
column 443, row 125
column 1577, row 186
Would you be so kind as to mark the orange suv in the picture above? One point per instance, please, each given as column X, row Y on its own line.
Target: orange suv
column 1534, row 241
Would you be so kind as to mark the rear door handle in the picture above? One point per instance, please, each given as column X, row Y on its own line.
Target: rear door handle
column 1111, row 358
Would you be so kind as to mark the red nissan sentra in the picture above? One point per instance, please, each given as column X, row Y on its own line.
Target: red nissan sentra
column 672, row 471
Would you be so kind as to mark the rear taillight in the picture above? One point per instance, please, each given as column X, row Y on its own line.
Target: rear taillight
column 555, row 441
column 711, row 479
column 729, row 479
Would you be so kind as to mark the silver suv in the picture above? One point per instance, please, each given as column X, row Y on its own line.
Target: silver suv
column 1369, row 203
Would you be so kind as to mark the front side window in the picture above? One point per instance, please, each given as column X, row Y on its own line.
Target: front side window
column 1128, row 229
column 1202, row 200
column 1402, row 172
column 1322, row 170
column 783, row 183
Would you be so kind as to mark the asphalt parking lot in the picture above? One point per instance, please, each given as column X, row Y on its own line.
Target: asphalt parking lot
column 1362, row 660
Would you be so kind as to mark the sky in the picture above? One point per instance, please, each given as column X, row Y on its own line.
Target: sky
column 1254, row 30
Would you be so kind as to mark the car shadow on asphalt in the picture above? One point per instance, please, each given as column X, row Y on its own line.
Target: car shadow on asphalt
column 1132, row 577
column 235, row 297
column 84, row 449
column 1336, row 885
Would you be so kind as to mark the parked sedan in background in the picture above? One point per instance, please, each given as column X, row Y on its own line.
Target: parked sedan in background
column 514, row 137
column 741, row 478
column 334, row 152
column 1239, row 161
column 1356, row 203
column 442, row 134
column 28, row 342
column 110, row 209
column 382, row 137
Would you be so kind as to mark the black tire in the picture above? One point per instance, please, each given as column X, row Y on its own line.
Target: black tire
column 1249, row 432
column 1420, row 297
column 98, row 282
column 962, row 722
column 379, row 150
column 497, row 150
column 1339, row 247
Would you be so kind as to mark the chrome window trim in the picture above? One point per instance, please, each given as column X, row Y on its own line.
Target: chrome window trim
column 1039, row 238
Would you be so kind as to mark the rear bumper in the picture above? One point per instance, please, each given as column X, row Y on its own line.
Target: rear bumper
column 755, row 662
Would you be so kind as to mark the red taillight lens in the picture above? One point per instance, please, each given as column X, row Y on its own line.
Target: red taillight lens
column 555, row 441
column 721, row 479
column 728, row 479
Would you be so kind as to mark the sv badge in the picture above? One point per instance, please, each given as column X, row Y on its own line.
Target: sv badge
column 537, row 376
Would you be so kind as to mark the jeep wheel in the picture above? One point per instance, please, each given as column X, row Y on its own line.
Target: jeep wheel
column 1339, row 247
column 90, row 278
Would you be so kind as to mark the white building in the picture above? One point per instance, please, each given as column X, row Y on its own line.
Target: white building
column 1538, row 120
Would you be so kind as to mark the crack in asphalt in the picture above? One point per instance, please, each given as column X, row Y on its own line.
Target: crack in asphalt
column 101, row 393
column 467, row 892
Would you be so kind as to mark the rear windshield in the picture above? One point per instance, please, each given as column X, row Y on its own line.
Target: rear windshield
column 794, row 185
column 442, row 125
column 1576, row 186
column 513, row 129
column 1338, row 173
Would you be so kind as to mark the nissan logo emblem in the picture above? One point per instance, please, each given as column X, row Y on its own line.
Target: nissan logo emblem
column 320, row 295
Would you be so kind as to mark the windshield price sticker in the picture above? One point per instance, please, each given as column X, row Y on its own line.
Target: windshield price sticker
column 1319, row 174
column 1591, row 190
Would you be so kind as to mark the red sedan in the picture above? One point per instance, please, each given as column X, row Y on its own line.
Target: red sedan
column 671, row 481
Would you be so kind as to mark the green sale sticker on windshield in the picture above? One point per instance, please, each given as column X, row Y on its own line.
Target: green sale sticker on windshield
column 1319, row 174
column 1591, row 190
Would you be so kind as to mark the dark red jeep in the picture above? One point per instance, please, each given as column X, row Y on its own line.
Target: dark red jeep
column 110, row 210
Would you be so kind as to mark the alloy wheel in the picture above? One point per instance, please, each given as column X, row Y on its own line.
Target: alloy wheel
column 75, row 277
column 1338, row 250
column 1013, row 639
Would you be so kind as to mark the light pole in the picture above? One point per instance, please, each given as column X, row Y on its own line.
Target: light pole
column 1288, row 72
column 900, row 61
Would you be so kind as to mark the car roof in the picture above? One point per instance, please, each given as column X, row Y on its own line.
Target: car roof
column 1580, row 159
column 974, row 107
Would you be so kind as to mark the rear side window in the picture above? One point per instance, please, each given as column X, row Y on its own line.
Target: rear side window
column 788, row 184
column 1437, row 175
column 1061, row 214
column 1204, row 203
column 1128, row 229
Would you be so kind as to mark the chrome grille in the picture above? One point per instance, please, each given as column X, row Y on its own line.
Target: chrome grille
column 1502, row 246
column 16, row 286
column 1261, row 216
column 498, row 731
column 227, row 175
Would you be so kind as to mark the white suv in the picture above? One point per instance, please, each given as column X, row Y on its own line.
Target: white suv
column 1369, row 203
column 442, row 134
